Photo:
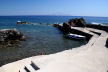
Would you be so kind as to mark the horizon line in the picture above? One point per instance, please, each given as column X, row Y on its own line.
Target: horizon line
column 53, row 15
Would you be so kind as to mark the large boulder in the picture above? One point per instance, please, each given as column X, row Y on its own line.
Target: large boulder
column 66, row 28
column 78, row 22
column 8, row 36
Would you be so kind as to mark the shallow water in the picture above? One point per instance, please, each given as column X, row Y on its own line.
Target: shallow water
column 40, row 37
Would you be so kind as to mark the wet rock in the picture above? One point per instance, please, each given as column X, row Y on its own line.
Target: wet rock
column 10, row 36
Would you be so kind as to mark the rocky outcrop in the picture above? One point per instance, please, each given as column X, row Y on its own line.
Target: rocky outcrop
column 80, row 22
column 65, row 28
column 100, row 27
column 8, row 37
column 77, row 22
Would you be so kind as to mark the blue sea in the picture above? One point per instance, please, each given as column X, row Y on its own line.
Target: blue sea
column 40, row 37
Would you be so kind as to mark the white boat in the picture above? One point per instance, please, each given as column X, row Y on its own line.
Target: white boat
column 18, row 22
column 75, row 36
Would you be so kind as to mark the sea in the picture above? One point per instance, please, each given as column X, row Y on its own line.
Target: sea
column 41, row 36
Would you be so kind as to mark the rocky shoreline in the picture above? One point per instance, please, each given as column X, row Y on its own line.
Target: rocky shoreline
column 10, row 37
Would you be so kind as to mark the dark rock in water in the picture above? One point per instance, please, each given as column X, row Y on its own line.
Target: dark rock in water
column 55, row 25
column 100, row 27
column 25, row 23
column 77, row 22
column 66, row 28
column 10, row 36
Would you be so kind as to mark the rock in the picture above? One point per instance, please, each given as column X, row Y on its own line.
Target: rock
column 77, row 22
column 66, row 28
column 100, row 27
column 10, row 36
column 55, row 25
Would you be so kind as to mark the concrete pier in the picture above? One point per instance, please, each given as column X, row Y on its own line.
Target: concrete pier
column 92, row 57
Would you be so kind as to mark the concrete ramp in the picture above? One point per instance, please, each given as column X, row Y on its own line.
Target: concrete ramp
column 88, row 58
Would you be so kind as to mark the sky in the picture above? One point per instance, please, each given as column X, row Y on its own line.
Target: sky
column 54, row 7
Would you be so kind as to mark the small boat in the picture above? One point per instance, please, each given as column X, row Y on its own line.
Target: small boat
column 75, row 36
column 18, row 22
